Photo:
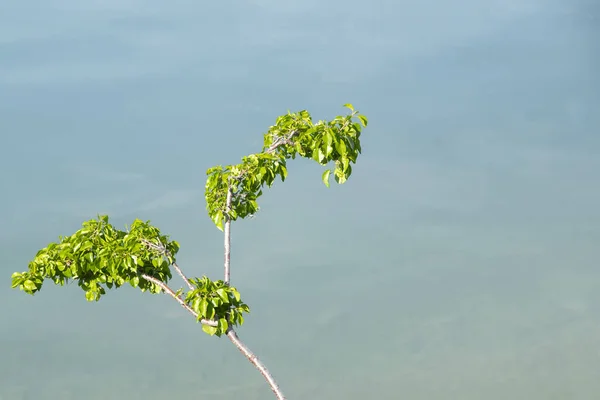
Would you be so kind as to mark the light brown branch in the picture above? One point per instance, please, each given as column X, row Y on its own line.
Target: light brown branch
column 170, row 292
column 233, row 337
column 227, row 238
column 280, row 141
column 231, row 334
column 182, row 275
column 164, row 252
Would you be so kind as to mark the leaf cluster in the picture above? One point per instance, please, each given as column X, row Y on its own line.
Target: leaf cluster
column 100, row 257
column 216, row 301
column 294, row 134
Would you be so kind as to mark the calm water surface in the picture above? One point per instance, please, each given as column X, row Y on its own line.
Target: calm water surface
column 459, row 262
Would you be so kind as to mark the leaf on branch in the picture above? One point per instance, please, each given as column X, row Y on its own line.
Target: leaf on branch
column 98, row 256
column 294, row 134
column 216, row 301
column 211, row 330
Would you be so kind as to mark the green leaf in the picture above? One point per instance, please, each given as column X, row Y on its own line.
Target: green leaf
column 282, row 172
column 315, row 154
column 90, row 295
column 340, row 146
column 203, row 308
column 196, row 305
column 345, row 163
column 320, row 155
column 245, row 308
column 222, row 293
column 29, row 285
column 17, row 279
column 348, row 105
column 328, row 148
column 363, row 120
column 218, row 220
column 223, row 325
column 211, row 330
column 325, row 177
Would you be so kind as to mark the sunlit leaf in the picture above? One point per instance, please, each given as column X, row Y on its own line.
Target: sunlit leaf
column 325, row 177
column 211, row 330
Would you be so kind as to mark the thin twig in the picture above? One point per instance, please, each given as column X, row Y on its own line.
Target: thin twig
column 232, row 335
column 227, row 236
column 161, row 248
column 170, row 292
column 182, row 275
column 280, row 141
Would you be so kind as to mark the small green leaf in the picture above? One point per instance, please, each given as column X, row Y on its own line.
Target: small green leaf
column 364, row 121
column 211, row 330
column 203, row 308
column 321, row 155
column 17, row 279
column 222, row 293
column 282, row 172
column 328, row 144
column 325, row 177
column 210, row 311
column 340, row 146
column 196, row 305
column 345, row 163
column 90, row 295
column 223, row 325
column 218, row 220
column 29, row 285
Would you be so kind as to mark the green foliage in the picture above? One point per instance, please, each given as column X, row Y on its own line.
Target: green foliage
column 218, row 302
column 98, row 257
column 293, row 134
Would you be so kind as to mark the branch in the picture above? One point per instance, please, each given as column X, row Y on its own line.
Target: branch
column 170, row 292
column 280, row 141
column 232, row 335
column 227, row 235
column 185, row 279
column 163, row 251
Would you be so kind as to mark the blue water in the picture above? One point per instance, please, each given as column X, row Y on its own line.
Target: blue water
column 459, row 261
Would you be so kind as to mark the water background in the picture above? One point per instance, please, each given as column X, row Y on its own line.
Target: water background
column 460, row 261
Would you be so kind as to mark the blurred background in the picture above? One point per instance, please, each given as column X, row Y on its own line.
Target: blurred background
column 459, row 261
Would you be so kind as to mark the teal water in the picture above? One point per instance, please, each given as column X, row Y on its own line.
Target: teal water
column 460, row 260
